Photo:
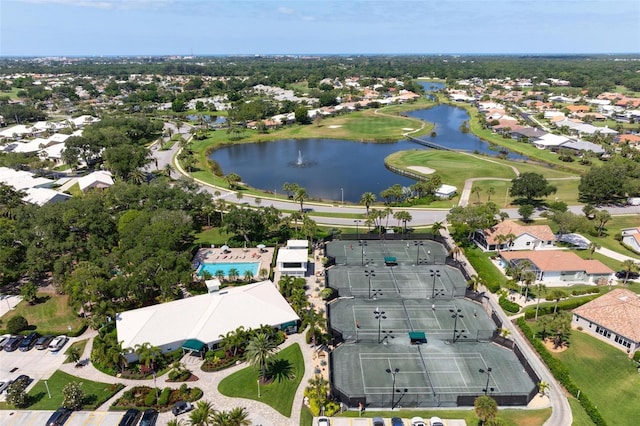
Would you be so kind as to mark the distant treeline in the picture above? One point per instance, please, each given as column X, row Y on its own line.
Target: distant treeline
column 596, row 73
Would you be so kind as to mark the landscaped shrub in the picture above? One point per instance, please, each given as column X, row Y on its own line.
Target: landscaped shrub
column 564, row 305
column 163, row 399
column 636, row 356
column 150, row 399
column 585, row 291
column 16, row 324
column 508, row 305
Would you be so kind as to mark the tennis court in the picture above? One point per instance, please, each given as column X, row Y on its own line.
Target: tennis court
column 374, row 252
column 425, row 281
column 391, row 321
column 426, row 375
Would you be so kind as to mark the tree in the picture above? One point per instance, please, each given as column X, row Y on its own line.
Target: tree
column 316, row 323
column 16, row 324
column 476, row 190
column 490, row 192
column 436, row 228
column 628, row 266
column 73, row 396
column 604, row 184
column 601, row 218
column 466, row 220
column 260, row 351
column 233, row 274
column 73, row 354
column 29, row 292
column 248, row 276
column 202, row 414
column 300, row 195
column 404, row 217
column 531, row 185
column 541, row 289
column 485, row 408
column 232, row 179
column 17, row 395
column 474, row 282
column 529, row 278
column 147, row 353
column 557, row 294
column 302, row 115
column 237, row 416
column 367, row 199
column 593, row 247
column 525, row 211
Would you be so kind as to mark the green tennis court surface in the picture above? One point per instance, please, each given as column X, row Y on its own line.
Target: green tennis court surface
column 373, row 252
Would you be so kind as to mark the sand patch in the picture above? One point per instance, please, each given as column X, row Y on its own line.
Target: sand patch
column 548, row 343
column 407, row 128
column 421, row 169
column 335, row 126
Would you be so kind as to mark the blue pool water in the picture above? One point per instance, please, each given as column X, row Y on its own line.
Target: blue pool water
column 241, row 267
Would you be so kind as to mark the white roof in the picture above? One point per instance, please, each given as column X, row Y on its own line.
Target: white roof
column 287, row 255
column 31, row 146
column 446, row 190
column 205, row 317
column 42, row 196
column 100, row 178
column 550, row 139
column 297, row 243
column 20, row 179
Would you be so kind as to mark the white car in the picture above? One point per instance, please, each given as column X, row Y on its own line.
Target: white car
column 4, row 384
column 324, row 421
column 436, row 421
column 418, row 421
column 57, row 343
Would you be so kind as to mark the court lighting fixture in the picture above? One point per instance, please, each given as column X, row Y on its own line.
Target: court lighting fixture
column 393, row 387
column 486, row 387
column 369, row 274
column 455, row 315
column 379, row 315
column 418, row 244
column 434, row 274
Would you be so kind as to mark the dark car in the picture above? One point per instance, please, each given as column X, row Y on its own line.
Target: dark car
column 149, row 418
column 623, row 274
column 59, row 417
column 25, row 378
column 3, row 340
column 181, row 407
column 13, row 343
column 29, row 342
column 396, row 421
column 130, row 418
column 377, row 421
column 43, row 342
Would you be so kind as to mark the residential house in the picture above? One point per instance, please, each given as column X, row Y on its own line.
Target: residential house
column 445, row 191
column 631, row 237
column 99, row 179
column 613, row 317
column 560, row 267
column 293, row 259
column 524, row 237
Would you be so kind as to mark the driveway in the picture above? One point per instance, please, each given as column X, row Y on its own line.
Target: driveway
column 78, row 418
column 34, row 363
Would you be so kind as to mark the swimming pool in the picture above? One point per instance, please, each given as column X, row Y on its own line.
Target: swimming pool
column 241, row 267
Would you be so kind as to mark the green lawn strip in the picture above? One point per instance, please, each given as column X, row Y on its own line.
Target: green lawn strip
column 607, row 375
column 306, row 418
column 278, row 394
column 75, row 190
column 510, row 417
column 486, row 270
column 52, row 316
column 213, row 236
column 81, row 344
column 96, row 392
column 580, row 417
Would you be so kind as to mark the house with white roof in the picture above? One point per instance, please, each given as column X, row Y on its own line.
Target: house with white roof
column 613, row 317
column 294, row 258
column 205, row 318
column 42, row 196
column 99, row 179
column 530, row 237
column 631, row 237
column 445, row 191
column 549, row 141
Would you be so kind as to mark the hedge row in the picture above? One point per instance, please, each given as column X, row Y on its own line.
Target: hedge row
column 560, row 372
column 564, row 305
column 508, row 305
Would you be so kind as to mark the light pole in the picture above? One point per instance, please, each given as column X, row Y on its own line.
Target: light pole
column 486, row 387
column 363, row 244
column 342, row 195
column 375, row 293
column 434, row 274
column 455, row 315
column 418, row 244
column 393, row 384
column 369, row 274
column 429, row 256
column 357, row 221
column 379, row 315
column 154, row 385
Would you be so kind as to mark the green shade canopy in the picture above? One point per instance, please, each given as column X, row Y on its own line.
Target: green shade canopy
column 418, row 337
column 194, row 345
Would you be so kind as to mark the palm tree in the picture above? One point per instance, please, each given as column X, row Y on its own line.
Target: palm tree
column 232, row 180
column 510, row 238
column 300, row 195
column 168, row 169
column 404, row 217
column 233, row 341
column 175, row 422
column 490, row 191
column 238, row 416
column 474, row 282
column 476, row 190
column 543, row 387
column 529, row 278
column 436, row 227
column 602, row 217
column 500, row 239
column 264, row 273
column 318, row 388
column 248, row 276
column 219, row 274
column 557, row 294
column 233, row 274
column 540, row 290
column 315, row 321
column 593, row 247
column 260, row 351
column 485, row 408
column 298, row 300
column 367, row 199
column 137, row 176
column 202, row 415
column 147, row 353
column 629, row 266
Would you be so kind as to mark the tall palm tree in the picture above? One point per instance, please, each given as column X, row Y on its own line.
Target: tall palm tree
column 316, row 322
column 476, row 190
column 248, row 276
column 500, row 239
column 233, row 274
column 485, row 408
column 367, row 199
column 318, row 388
column 219, row 274
column 593, row 247
column 168, row 169
column 300, row 195
column 557, row 294
column 202, row 414
column 234, row 340
column 238, row 416
column 529, row 278
column 474, row 282
column 602, row 217
column 541, row 289
column 147, row 353
column 436, row 227
column 404, row 217
column 260, row 351
column 490, row 191
column 510, row 238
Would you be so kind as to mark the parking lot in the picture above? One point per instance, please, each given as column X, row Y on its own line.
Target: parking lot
column 78, row 418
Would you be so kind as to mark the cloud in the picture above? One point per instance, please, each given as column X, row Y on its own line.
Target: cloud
column 111, row 4
column 75, row 3
column 286, row 10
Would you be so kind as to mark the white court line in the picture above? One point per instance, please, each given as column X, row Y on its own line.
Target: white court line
column 455, row 360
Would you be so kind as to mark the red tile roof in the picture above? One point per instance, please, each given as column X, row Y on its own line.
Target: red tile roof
column 542, row 232
column 558, row 260
column 618, row 310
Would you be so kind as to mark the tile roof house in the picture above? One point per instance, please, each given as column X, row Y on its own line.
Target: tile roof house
column 526, row 237
column 560, row 267
column 613, row 317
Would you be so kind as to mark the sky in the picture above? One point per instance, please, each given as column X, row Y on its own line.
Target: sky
column 246, row 27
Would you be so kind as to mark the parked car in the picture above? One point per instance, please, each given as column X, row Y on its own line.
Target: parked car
column 621, row 275
column 59, row 417
column 23, row 377
column 181, row 407
column 43, row 342
column 3, row 340
column 418, row 421
column 377, row 421
column 13, row 343
column 149, row 418
column 396, row 421
column 57, row 343
column 28, row 342
column 130, row 418
column 436, row 421
column 324, row 421
column 4, row 384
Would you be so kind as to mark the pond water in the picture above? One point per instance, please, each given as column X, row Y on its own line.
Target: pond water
column 339, row 170
column 215, row 119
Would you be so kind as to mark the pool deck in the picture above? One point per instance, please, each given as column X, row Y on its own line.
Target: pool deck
column 235, row 255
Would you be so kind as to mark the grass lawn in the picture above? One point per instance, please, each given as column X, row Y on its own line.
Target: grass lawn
column 212, row 236
column 510, row 417
column 607, row 375
column 580, row 417
column 483, row 266
column 52, row 316
column 96, row 393
column 278, row 394
column 81, row 344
